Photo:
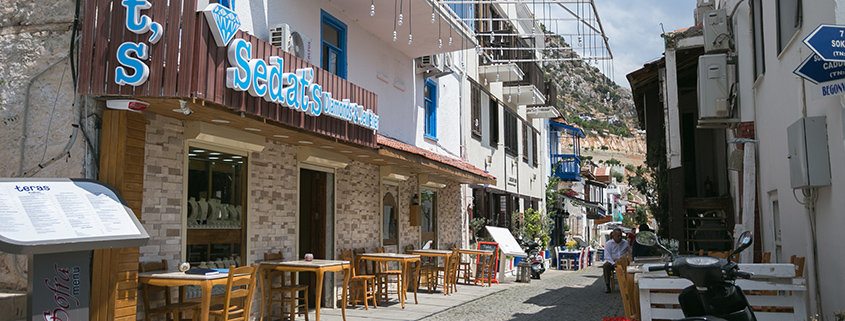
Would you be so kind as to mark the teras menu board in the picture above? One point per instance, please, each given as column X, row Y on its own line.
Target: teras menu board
column 44, row 215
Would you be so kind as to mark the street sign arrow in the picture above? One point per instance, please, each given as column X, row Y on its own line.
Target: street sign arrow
column 817, row 70
column 827, row 41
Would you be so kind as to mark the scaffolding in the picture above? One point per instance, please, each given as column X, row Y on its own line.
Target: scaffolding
column 514, row 31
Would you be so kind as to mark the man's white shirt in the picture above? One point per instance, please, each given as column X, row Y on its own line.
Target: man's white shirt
column 614, row 251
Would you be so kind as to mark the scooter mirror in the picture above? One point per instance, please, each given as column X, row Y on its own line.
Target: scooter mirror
column 646, row 238
column 744, row 241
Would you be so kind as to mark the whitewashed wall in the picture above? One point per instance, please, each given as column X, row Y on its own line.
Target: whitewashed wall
column 774, row 101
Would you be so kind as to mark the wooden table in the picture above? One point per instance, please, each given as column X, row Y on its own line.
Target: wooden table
column 436, row 253
column 403, row 259
column 485, row 253
column 173, row 279
column 319, row 267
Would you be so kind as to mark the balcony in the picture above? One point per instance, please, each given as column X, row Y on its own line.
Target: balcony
column 426, row 39
column 566, row 167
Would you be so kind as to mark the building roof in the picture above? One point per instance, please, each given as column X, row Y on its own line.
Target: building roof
column 477, row 175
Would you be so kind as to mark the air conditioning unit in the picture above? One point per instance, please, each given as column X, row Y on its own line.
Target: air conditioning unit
column 713, row 89
column 294, row 42
column 432, row 63
column 716, row 37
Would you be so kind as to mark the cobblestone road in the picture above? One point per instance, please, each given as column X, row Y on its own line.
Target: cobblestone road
column 558, row 296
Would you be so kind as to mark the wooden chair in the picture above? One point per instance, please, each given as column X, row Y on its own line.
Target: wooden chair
column 413, row 278
column 359, row 284
column 486, row 269
column 168, row 309
column 798, row 261
column 464, row 269
column 628, row 290
column 384, row 276
column 434, row 274
column 240, row 286
column 283, row 294
column 454, row 262
column 766, row 258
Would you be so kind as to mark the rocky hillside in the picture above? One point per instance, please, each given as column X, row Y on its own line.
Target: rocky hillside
column 591, row 101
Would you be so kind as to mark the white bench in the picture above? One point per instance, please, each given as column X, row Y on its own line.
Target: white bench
column 790, row 292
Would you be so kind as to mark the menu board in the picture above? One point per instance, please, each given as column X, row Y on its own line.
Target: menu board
column 37, row 212
column 507, row 243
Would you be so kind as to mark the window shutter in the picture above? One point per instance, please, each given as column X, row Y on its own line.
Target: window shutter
column 475, row 102
column 494, row 123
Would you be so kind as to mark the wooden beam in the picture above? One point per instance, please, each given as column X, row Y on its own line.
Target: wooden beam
column 114, row 290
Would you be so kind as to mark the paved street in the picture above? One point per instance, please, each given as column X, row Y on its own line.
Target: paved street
column 560, row 295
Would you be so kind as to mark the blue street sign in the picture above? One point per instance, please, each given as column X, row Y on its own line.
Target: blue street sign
column 817, row 70
column 827, row 41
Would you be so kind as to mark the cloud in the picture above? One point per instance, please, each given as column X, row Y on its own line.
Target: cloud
column 633, row 28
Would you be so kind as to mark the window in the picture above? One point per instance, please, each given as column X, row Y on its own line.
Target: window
column 430, row 97
column 494, row 122
column 525, row 142
column 428, row 207
column 465, row 11
column 390, row 221
column 511, row 132
column 534, row 143
column 333, row 45
column 216, row 194
column 757, row 33
column 475, row 102
column 789, row 21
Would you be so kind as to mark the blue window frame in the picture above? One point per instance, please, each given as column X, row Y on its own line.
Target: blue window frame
column 464, row 11
column 430, row 97
column 333, row 44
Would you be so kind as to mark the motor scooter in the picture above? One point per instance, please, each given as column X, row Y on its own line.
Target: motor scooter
column 713, row 295
column 535, row 258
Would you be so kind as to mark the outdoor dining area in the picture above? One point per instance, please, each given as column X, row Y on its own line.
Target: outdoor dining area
column 276, row 288
column 775, row 291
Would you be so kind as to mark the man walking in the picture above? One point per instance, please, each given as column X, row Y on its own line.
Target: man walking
column 614, row 249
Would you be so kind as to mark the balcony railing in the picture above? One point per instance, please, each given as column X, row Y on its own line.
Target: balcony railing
column 566, row 167
column 549, row 91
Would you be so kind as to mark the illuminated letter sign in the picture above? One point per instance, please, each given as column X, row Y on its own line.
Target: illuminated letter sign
column 133, row 70
column 296, row 90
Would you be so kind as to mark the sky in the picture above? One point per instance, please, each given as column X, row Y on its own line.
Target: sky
column 633, row 28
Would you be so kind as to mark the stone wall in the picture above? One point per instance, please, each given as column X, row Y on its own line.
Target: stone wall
column 163, row 185
column 272, row 201
column 358, row 216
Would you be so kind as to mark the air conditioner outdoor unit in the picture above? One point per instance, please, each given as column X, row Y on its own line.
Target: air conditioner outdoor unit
column 716, row 37
column 287, row 39
column 713, row 89
column 427, row 64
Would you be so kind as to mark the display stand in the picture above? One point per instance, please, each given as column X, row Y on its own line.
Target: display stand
column 57, row 223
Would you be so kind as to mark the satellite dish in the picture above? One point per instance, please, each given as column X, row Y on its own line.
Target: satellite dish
column 297, row 45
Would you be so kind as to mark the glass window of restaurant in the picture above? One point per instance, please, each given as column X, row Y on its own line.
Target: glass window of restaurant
column 216, row 205
column 390, row 216
column 428, row 228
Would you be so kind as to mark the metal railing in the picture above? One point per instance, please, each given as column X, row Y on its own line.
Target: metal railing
column 566, row 167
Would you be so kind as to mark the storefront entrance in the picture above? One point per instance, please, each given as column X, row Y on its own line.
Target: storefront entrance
column 316, row 224
column 428, row 230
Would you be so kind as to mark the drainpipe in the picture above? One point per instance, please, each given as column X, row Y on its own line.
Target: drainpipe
column 26, row 115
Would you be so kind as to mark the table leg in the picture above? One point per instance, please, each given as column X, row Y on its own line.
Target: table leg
column 418, row 265
column 402, row 283
column 265, row 295
column 446, row 272
column 319, row 295
column 347, row 271
column 206, row 300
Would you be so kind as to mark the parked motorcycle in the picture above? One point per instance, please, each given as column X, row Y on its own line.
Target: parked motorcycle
column 713, row 295
column 533, row 250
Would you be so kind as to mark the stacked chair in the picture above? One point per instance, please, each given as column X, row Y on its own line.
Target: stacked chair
column 168, row 308
column 285, row 295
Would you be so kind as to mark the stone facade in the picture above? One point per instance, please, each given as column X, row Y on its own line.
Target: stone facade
column 272, row 201
column 161, row 214
column 34, row 35
column 358, row 215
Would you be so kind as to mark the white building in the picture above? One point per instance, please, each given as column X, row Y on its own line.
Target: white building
column 742, row 152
